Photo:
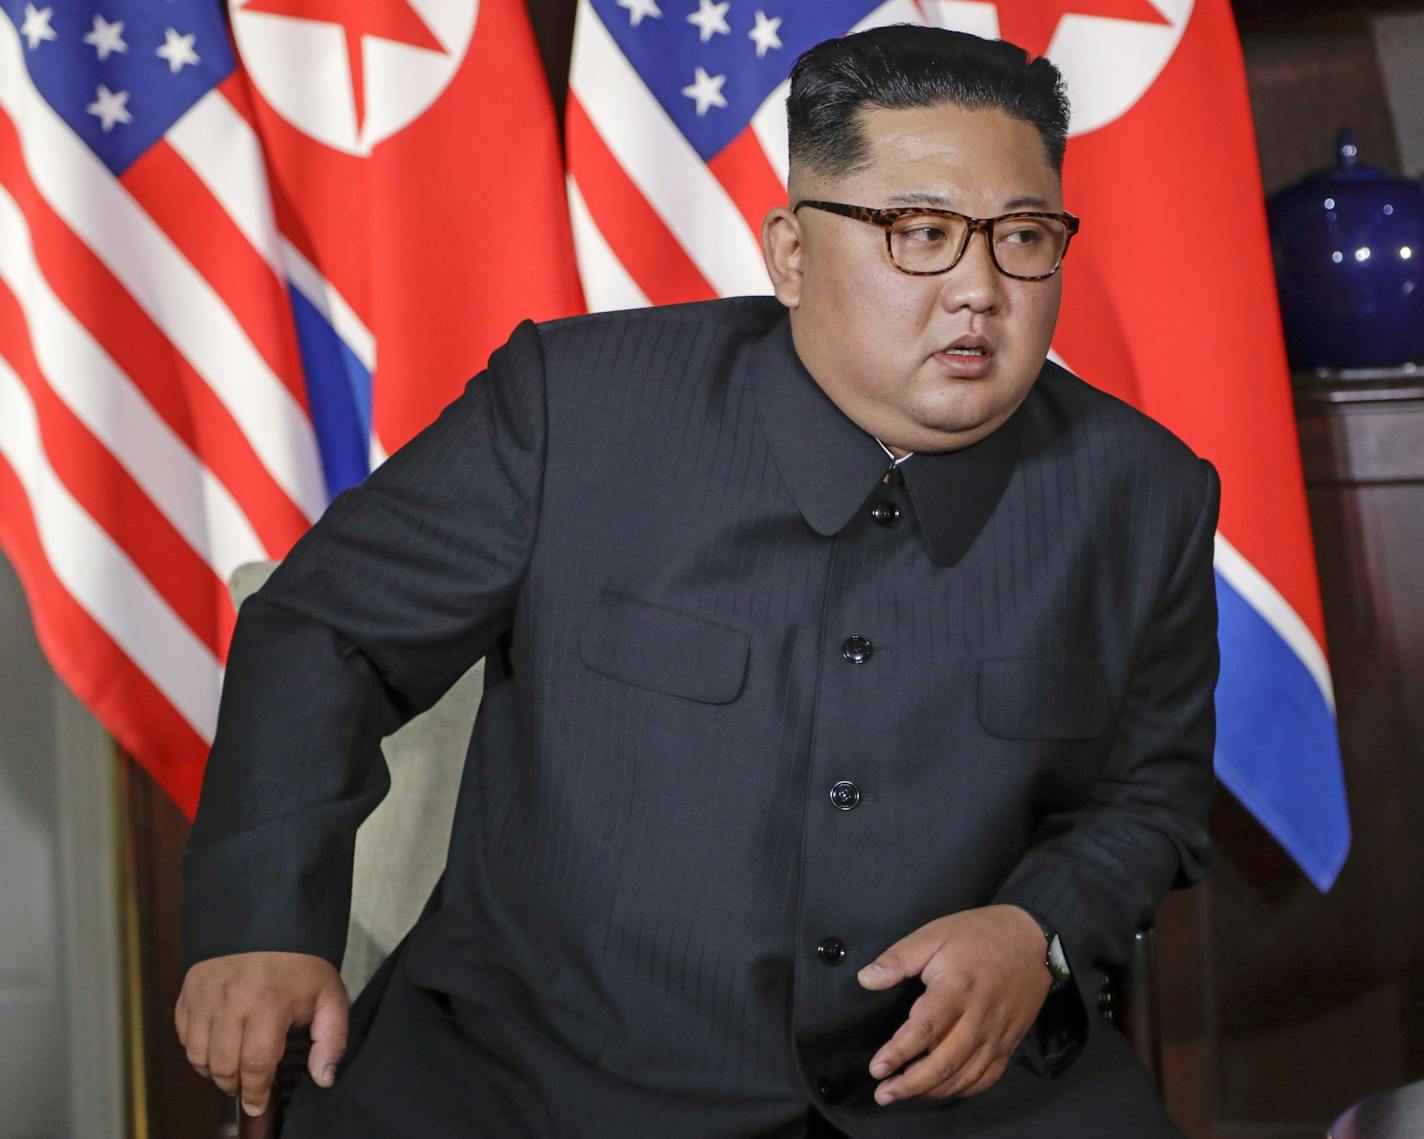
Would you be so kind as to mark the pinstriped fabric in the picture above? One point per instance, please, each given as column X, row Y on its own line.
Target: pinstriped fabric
column 661, row 533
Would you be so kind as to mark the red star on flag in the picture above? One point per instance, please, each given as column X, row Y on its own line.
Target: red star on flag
column 393, row 20
column 1031, row 23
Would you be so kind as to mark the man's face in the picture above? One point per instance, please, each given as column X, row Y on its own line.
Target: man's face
column 875, row 338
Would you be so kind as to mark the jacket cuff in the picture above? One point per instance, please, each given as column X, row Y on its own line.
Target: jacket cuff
column 1060, row 1030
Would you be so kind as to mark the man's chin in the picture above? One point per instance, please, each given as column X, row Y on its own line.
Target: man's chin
column 948, row 424
column 954, row 434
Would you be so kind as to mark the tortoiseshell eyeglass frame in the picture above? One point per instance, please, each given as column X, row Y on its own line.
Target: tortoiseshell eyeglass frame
column 886, row 218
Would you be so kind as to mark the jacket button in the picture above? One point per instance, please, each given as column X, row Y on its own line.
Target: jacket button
column 885, row 513
column 857, row 649
column 832, row 951
column 825, row 1089
column 845, row 795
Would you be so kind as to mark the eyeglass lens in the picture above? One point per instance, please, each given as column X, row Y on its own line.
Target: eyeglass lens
column 1021, row 246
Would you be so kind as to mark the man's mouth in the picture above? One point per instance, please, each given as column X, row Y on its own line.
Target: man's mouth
column 970, row 344
column 969, row 357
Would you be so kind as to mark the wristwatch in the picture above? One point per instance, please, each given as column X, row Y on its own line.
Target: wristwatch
column 1054, row 959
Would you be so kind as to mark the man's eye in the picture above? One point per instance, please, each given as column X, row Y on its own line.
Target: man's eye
column 1021, row 235
column 924, row 235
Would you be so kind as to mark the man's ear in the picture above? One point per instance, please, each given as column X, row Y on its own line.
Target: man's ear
column 782, row 250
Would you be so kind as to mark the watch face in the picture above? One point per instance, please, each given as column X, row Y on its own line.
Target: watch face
column 1057, row 963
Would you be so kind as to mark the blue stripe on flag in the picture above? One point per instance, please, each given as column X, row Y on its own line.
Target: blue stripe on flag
column 339, row 392
column 1277, row 748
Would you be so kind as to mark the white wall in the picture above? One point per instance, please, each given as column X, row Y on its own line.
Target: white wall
column 61, row 1058
column 1399, row 40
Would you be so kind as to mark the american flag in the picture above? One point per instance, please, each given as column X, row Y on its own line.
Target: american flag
column 676, row 139
column 155, row 425
column 210, row 219
column 676, row 143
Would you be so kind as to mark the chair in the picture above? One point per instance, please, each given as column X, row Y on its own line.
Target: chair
column 1397, row 1114
column 1131, row 999
column 425, row 759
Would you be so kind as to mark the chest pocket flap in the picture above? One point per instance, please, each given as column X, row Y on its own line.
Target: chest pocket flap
column 1043, row 698
column 664, row 650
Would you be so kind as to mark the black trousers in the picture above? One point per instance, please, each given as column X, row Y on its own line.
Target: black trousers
column 397, row 1084
column 819, row 1127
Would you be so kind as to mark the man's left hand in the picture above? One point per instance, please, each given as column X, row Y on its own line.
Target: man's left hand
column 985, row 982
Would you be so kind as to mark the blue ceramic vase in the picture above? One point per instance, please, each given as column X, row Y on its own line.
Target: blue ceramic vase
column 1349, row 252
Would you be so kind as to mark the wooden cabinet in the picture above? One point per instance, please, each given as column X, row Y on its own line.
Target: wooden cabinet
column 1283, row 1006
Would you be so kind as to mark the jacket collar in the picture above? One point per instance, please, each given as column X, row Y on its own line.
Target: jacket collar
column 831, row 465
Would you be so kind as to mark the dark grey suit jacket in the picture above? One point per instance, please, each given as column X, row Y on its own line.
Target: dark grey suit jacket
column 662, row 533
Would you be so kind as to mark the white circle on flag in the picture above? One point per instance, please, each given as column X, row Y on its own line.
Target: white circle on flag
column 1108, row 64
column 302, row 68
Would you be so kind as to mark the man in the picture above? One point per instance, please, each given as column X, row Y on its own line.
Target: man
column 848, row 698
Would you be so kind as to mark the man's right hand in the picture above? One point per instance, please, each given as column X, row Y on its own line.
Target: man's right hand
column 234, row 1012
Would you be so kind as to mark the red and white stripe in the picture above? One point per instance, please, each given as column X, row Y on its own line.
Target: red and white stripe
column 154, row 432
column 650, row 219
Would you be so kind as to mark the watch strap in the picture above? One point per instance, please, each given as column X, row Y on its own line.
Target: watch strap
column 1054, row 959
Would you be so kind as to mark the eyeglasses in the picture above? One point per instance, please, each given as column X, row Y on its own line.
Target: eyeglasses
column 923, row 241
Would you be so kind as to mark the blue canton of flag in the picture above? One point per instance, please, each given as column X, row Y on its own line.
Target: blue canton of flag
column 121, row 73
column 711, row 64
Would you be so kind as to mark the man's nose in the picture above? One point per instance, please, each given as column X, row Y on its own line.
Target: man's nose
column 974, row 283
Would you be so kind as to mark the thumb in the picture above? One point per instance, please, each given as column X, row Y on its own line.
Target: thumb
column 905, row 958
column 328, row 1033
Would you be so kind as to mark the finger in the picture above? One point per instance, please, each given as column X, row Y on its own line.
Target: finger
column 903, row 959
column 990, row 1077
column 941, row 1065
column 181, row 1016
column 196, row 1045
column 225, row 1051
column 931, row 1017
column 968, row 1075
column 328, row 1031
column 264, row 1038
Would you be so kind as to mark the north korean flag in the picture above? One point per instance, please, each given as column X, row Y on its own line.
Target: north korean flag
column 418, row 186
column 1171, row 304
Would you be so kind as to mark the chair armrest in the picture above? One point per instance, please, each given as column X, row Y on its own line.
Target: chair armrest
column 1131, row 999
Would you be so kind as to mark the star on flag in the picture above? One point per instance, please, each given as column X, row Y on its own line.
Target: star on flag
column 393, row 20
column 706, row 91
column 711, row 19
column 109, row 107
column 638, row 9
column 35, row 28
column 764, row 35
column 107, row 38
column 1032, row 23
column 178, row 51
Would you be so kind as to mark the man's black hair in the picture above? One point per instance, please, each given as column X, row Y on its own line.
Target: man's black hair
column 905, row 66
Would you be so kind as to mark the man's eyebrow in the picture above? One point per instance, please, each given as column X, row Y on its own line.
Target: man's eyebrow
column 921, row 198
column 944, row 202
column 1028, row 202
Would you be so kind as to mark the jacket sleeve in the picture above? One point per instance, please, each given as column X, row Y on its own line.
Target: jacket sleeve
column 1096, row 874
column 403, row 584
